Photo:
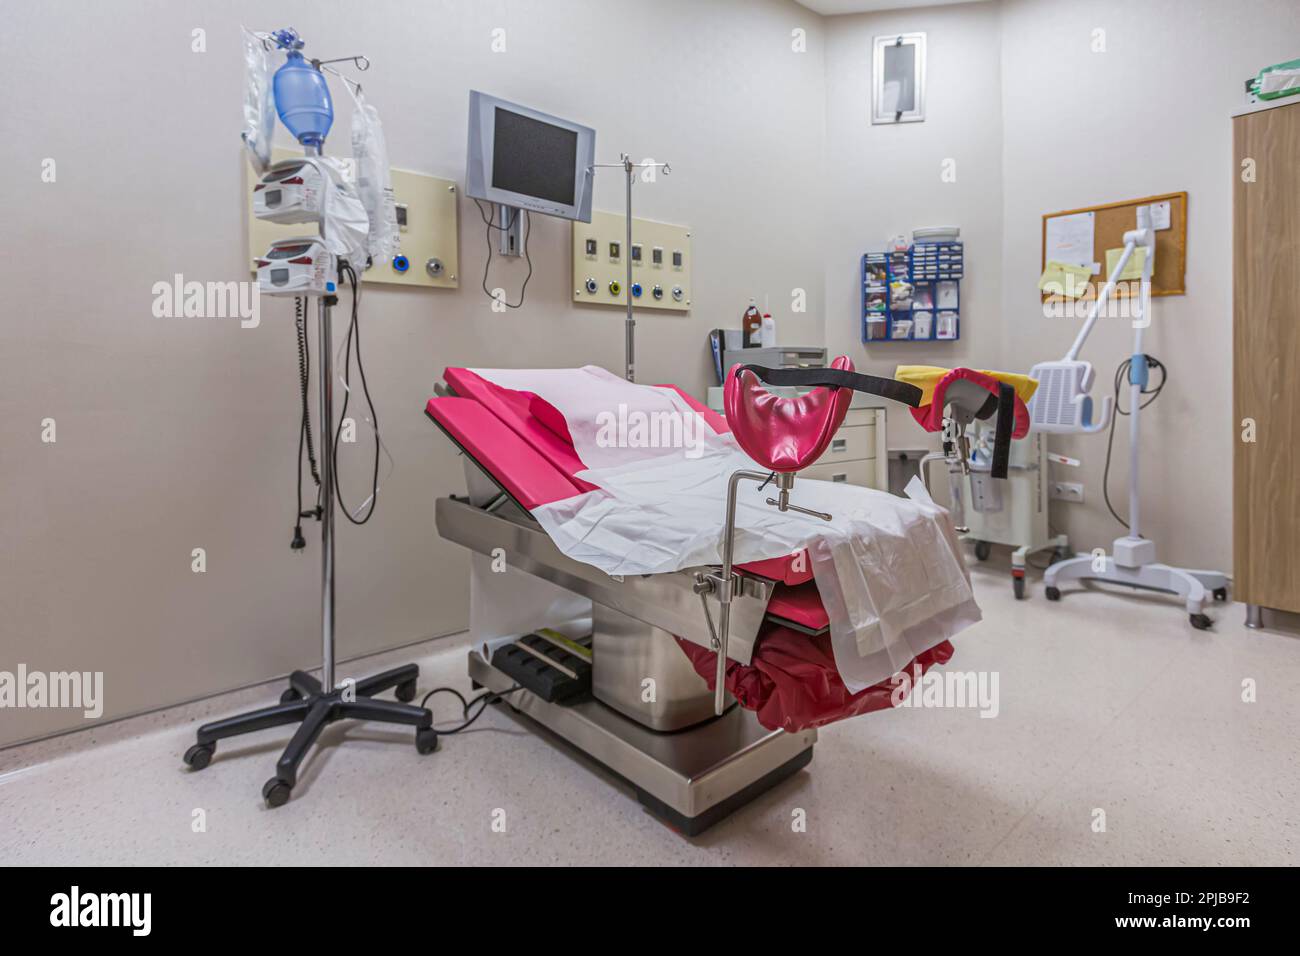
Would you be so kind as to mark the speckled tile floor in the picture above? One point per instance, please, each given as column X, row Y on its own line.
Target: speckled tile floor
column 1108, row 701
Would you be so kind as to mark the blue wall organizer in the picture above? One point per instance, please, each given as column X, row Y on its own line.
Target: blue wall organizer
column 913, row 294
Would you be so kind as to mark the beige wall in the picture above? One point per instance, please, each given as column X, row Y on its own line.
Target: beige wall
column 1177, row 66
column 886, row 180
column 175, row 434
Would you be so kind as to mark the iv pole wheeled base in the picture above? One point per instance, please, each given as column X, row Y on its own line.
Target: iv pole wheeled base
column 307, row 704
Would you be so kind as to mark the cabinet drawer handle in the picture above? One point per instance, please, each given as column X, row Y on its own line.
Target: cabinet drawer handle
column 840, row 477
column 839, row 444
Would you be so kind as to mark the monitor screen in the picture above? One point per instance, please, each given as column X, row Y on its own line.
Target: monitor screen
column 533, row 158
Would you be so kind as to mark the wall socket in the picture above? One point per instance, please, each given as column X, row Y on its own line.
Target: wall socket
column 1067, row 491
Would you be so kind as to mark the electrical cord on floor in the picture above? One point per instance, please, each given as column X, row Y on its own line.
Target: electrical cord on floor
column 483, row 699
column 528, row 228
column 304, row 429
column 1121, row 379
column 354, row 337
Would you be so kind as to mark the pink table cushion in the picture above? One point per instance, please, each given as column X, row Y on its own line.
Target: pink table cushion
column 527, row 475
column 515, row 409
column 800, row 604
column 511, row 407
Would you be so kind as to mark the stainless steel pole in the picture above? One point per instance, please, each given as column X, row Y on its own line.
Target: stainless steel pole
column 627, row 289
column 325, row 373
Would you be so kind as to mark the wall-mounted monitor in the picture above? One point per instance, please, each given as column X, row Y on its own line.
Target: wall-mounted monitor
column 524, row 158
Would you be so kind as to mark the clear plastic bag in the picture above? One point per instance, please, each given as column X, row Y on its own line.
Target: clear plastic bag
column 259, row 106
column 374, row 184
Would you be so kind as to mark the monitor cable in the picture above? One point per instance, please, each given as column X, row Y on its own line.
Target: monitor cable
column 487, row 266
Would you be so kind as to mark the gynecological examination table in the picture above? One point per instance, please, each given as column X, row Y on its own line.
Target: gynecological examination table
column 625, row 539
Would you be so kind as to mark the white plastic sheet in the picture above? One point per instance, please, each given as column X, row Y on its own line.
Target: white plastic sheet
column 259, row 105
column 888, row 569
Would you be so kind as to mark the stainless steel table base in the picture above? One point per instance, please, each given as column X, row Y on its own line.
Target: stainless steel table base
column 689, row 779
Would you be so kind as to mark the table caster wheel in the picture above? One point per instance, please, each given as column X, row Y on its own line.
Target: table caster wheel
column 426, row 740
column 1018, row 585
column 289, row 696
column 1220, row 594
column 276, row 792
column 1201, row 622
column 982, row 550
column 198, row 756
column 405, row 691
column 1053, row 594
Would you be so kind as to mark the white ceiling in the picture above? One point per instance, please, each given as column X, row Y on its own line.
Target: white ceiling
column 829, row 8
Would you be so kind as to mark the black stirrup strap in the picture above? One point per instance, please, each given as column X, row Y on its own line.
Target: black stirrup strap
column 1002, row 431
column 889, row 388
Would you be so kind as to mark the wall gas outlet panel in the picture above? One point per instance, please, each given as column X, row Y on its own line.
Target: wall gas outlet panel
column 661, row 263
column 428, row 210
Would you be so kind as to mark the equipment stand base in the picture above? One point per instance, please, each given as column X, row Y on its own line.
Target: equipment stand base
column 306, row 704
column 1191, row 586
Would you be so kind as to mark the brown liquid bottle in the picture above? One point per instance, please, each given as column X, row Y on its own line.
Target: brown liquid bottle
column 751, row 325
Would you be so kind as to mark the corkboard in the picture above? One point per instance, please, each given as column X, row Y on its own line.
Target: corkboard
column 1111, row 221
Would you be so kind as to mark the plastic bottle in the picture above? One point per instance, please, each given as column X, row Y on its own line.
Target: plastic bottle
column 768, row 334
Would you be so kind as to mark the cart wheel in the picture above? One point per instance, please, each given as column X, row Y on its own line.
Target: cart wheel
column 1220, row 594
column 1053, row 594
column 276, row 792
column 1201, row 622
column 982, row 550
column 1018, row 585
column 198, row 756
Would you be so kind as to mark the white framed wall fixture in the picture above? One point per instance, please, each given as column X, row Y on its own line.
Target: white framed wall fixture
column 898, row 78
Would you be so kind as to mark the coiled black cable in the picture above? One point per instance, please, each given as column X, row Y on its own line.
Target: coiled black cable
column 483, row 699
column 354, row 336
column 304, row 427
column 1121, row 377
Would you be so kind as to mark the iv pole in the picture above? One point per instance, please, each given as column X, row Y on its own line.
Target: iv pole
column 625, row 163
column 314, row 704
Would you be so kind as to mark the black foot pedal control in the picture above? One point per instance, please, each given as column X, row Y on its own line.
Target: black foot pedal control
column 554, row 667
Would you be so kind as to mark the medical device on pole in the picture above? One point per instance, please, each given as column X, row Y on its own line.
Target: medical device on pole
column 1064, row 410
column 313, row 190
